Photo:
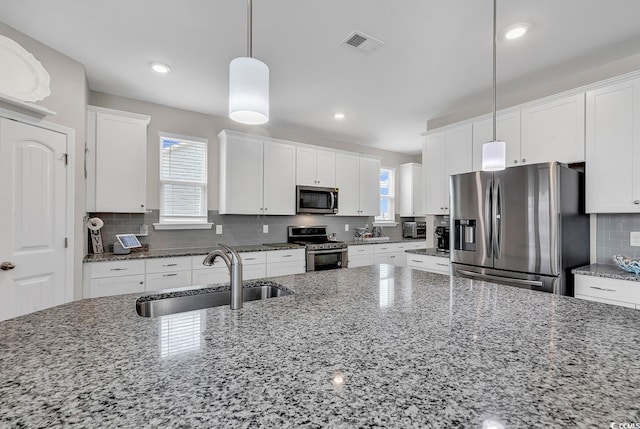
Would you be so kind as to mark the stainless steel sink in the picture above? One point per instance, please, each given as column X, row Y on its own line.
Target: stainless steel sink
column 180, row 301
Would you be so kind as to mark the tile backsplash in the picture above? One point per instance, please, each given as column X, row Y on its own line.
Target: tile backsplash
column 237, row 230
column 612, row 236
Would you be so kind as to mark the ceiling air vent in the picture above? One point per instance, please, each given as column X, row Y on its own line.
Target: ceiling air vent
column 362, row 41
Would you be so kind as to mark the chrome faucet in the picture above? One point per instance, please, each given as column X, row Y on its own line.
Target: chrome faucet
column 234, row 263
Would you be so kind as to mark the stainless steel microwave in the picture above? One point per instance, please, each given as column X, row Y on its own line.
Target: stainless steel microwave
column 317, row 200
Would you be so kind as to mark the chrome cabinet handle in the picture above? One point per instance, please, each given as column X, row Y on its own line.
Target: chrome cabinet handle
column 602, row 288
column 169, row 265
column 6, row 266
column 287, row 256
column 169, row 275
column 413, row 260
column 442, row 265
column 249, row 259
column 119, row 269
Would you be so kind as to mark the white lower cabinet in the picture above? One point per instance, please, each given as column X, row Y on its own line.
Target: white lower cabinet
column 360, row 256
column 113, row 278
column 434, row 264
column 610, row 291
column 285, row 262
column 166, row 273
column 388, row 253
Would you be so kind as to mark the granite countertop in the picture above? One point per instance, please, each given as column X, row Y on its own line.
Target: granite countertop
column 377, row 346
column 165, row 253
column 606, row 271
column 429, row 252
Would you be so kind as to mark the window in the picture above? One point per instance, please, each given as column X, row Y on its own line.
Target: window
column 183, row 182
column 387, row 196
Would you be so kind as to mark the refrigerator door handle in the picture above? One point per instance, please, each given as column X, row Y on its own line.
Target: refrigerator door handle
column 497, row 217
column 488, row 230
column 499, row 278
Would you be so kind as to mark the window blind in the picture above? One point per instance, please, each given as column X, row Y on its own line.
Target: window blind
column 183, row 180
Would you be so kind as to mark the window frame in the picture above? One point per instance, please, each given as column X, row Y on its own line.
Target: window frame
column 183, row 222
column 379, row 220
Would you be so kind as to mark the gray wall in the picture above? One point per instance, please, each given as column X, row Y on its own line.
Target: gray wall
column 184, row 122
column 69, row 94
column 612, row 236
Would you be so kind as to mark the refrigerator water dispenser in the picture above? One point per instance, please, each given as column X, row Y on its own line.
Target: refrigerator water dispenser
column 465, row 234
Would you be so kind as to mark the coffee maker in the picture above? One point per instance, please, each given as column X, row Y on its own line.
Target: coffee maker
column 442, row 238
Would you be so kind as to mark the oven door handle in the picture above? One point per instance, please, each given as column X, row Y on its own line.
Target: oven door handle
column 317, row 252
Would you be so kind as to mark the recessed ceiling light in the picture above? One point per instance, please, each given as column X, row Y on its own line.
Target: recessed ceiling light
column 159, row 67
column 515, row 31
column 339, row 115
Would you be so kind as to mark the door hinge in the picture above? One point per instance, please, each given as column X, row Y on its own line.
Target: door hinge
column 66, row 242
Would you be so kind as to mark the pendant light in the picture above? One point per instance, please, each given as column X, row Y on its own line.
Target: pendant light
column 249, row 84
column 494, row 152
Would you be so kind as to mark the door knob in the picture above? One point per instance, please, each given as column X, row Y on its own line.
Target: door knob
column 5, row 266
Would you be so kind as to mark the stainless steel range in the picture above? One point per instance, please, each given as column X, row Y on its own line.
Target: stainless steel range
column 322, row 253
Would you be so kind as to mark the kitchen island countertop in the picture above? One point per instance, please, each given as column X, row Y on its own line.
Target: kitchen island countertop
column 377, row 346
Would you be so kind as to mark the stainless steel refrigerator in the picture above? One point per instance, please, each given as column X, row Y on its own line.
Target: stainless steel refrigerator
column 522, row 226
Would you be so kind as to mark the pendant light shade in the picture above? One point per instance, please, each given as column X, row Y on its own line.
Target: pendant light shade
column 249, row 83
column 248, row 91
column 494, row 153
column 494, row 156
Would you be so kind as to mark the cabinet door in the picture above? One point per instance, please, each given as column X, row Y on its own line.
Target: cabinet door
column 241, row 168
column 108, row 286
column 553, row 131
column 507, row 130
column 411, row 190
column 279, row 178
column 347, row 181
column 458, row 158
column 433, row 171
column 326, row 168
column 121, row 164
column 612, row 159
column 369, row 186
column 306, row 166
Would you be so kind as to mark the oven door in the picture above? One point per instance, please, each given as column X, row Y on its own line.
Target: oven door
column 319, row 260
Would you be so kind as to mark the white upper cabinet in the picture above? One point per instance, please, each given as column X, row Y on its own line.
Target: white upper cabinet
column 257, row 175
column 411, row 190
column 507, row 130
column 433, row 171
column 358, row 181
column 279, row 178
column 444, row 153
column 315, row 167
column 612, row 154
column 553, row 131
column 116, row 161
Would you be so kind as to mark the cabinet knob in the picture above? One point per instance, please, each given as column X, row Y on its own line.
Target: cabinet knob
column 265, row 209
column 636, row 202
column 515, row 161
column 524, row 160
column 6, row 266
column 142, row 205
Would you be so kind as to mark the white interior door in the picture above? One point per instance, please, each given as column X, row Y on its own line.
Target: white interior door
column 32, row 218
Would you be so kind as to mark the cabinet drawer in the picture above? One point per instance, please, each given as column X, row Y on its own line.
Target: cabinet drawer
column 360, row 260
column 210, row 276
column 252, row 258
column 162, row 265
column 108, row 286
column 361, row 250
column 115, row 268
column 285, row 268
column 387, row 248
column 415, row 245
column 285, row 256
column 611, row 291
column 158, row 281
column 433, row 264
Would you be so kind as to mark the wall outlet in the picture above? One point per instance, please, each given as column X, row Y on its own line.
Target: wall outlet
column 346, row 227
column 144, row 230
column 634, row 238
column 218, row 229
column 265, row 229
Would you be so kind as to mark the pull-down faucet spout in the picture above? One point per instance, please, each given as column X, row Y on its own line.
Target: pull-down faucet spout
column 234, row 264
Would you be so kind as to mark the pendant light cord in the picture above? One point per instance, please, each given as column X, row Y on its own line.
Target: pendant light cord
column 494, row 69
column 250, row 29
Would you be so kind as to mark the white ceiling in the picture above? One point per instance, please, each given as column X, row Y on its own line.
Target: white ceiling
column 436, row 58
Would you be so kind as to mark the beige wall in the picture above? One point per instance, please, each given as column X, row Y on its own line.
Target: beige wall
column 69, row 94
column 177, row 121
